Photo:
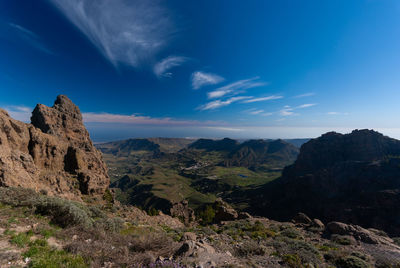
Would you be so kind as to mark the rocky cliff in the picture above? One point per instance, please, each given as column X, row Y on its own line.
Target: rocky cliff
column 353, row 178
column 53, row 154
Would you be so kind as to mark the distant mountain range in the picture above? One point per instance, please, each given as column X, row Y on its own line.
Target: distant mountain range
column 146, row 170
column 352, row 178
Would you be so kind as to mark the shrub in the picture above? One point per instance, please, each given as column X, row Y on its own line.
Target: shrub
column 304, row 250
column 292, row 260
column 63, row 212
column 207, row 215
column 21, row 239
column 351, row 262
column 343, row 239
column 110, row 224
column 396, row 240
column 250, row 248
column 153, row 212
column 42, row 255
column 291, row 233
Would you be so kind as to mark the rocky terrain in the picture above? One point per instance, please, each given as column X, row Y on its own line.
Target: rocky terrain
column 353, row 178
column 54, row 153
column 56, row 209
column 42, row 231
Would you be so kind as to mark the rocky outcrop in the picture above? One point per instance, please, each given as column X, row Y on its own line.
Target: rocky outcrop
column 182, row 211
column 352, row 178
column 53, row 154
column 223, row 211
column 371, row 236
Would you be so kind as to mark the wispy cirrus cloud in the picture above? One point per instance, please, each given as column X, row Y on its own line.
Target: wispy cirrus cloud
column 201, row 79
column 309, row 94
column 274, row 97
column 288, row 110
column 337, row 113
column 236, row 87
column 30, row 38
column 141, row 120
column 127, row 32
column 161, row 69
column 21, row 113
column 256, row 112
column 306, row 105
column 212, row 105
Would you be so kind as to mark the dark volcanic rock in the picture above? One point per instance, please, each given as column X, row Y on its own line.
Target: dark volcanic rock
column 54, row 153
column 353, row 178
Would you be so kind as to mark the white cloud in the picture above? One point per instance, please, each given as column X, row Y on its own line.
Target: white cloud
column 226, row 129
column 221, row 103
column 236, row 87
column 201, row 79
column 256, row 112
column 306, row 105
column 286, row 112
column 263, row 99
column 267, row 114
column 309, row 94
column 140, row 120
column 161, row 68
column 31, row 38
column 128, row 32
column 21, row 113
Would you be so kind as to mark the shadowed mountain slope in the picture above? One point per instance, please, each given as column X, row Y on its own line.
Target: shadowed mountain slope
column 352, row 178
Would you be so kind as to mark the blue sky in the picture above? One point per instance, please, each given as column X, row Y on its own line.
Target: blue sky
column 178, row 68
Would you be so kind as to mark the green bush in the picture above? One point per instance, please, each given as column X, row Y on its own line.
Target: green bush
column 343, row 239
column 110, row 224
column 250, row 248
column 351, row 262
column 21, row 239
column 292, row 260
column 42, row 255
column 153, row 212
column 207, row 215
column 63, row 212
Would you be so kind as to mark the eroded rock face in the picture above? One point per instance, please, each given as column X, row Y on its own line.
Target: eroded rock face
column 54, row 153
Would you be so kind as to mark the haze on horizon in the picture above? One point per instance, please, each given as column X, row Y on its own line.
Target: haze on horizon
column 239, row 69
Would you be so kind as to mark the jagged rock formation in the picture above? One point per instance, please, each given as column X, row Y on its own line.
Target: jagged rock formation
column 54, row 153
column 353, row 178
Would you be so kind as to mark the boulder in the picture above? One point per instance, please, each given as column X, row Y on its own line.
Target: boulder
column 302, row 218
column 182, row 211
column 317, row 223
column 358, row 233
column 53, row 154
column 223, row 211
column 193, row 249
column 244, row 215
column 189, row 236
